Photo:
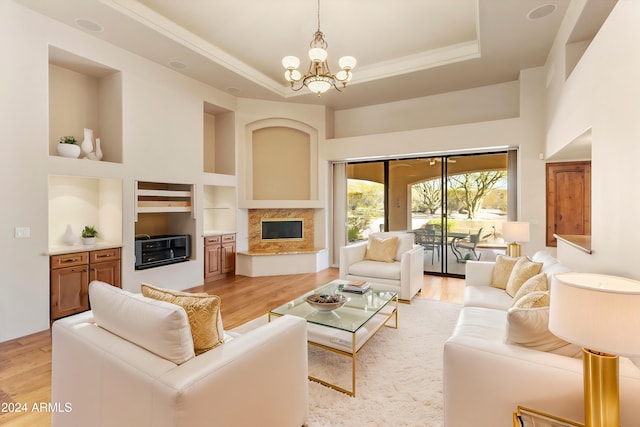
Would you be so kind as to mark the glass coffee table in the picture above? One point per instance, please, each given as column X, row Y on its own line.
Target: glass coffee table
column 345, row 330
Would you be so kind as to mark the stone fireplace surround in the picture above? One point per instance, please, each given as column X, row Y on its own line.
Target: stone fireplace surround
column 259, row 246
column 271, row 258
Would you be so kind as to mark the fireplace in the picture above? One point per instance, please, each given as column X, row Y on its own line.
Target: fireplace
column 282, row 229
column 274, row 231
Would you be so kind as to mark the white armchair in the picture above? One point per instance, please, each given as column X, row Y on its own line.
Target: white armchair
column 404, row 275
column 130, row 362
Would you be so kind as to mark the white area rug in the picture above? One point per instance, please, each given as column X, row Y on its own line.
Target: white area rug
column 399, row 373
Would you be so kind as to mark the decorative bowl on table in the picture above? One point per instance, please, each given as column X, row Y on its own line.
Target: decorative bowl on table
column 325, row 302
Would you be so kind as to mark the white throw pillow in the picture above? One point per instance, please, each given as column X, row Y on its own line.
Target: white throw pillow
column 158, row 326
column 533, row 284
column 529, row 327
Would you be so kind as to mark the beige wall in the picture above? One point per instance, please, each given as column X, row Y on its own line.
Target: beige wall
column 603, row 94
column 162, row 134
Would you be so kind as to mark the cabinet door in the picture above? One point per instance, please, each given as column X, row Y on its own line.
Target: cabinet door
column 228, row 257
column 69, row 291
column 212, row 265
column 108, row 272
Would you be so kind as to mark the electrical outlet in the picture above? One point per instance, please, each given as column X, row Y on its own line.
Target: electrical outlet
column 22, row 232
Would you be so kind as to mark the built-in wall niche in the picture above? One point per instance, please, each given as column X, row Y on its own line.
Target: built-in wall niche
column 219, row 208
column 164, row 209
column 84, row 94
column 219, row 140
column 281, row 165
column 80, row 201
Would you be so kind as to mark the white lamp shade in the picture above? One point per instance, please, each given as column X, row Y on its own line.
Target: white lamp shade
column 347, row 62
column 343, row 76
column 290, row 62
column 597, row 312
column 292, row 75
column 318, row 86
column 513, row 231
column 317, row 54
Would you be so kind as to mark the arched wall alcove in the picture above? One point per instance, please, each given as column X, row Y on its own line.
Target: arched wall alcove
column 281, row 162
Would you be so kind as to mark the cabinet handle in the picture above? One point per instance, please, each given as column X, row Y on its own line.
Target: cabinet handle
column 104, row 256
column 70, row 260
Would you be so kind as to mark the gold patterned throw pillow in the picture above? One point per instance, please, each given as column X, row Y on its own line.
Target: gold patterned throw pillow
column 502, row 270
column 523, row 270
column 203, row 312
column 381, row 249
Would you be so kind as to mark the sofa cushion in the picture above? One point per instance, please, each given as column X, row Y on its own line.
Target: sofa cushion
column 376, row 269
column 523, row 270
column 487, row 297
column 481, row 323
column 544, row 257
column 381, row 249
column 158, row 326
column 502, row 271
column 535, row 283
column 554, row 268
column 203, row 311
column 529, row 327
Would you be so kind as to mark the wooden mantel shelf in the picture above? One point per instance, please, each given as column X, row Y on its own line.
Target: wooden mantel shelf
column 580, row 242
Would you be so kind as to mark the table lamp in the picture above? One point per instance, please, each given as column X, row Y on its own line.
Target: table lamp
column 602, row 314
column 514, row 232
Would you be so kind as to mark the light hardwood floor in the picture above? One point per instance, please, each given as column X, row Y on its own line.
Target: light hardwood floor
column 25, row 363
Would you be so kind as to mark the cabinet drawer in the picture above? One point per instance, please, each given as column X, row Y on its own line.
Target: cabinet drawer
column 69, row 260
column 212, row 240
column 229, row 238
column 104, row 255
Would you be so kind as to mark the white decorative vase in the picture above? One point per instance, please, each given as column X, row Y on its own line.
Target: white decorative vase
column 69, row 150
column 88, row 240
column 87, row 142
column 98, row 149
column 69, row 237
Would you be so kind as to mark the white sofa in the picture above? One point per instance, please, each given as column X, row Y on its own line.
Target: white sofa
column 404, row 275
column 485, row 379
column 102, row 379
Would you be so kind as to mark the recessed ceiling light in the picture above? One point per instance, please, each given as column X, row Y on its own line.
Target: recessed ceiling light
column 89, row 25
column 178, row 65
column 541, row 11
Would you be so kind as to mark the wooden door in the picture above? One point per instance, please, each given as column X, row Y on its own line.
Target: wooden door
column 108, row 272
column 228, row 257
column 212, row 265
column 69, row 291
column 568, row 199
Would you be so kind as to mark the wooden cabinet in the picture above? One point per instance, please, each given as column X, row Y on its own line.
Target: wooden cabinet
column 69, row 284
column 220, row 257
column 71, row 274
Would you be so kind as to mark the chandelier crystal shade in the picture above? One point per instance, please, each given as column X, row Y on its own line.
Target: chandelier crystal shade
column 318, row 78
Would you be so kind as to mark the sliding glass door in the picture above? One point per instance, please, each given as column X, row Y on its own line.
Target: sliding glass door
column 455, row 205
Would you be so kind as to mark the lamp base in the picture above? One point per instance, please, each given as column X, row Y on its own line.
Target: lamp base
column 601, row 389
column 513, row 249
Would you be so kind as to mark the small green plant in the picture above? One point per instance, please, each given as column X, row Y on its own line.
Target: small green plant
column 89, row 231
column 67, row 139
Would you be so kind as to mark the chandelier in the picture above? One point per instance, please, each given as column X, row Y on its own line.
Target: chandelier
column 318, row 78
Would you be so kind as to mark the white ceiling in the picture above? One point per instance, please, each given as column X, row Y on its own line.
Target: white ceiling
column 405, row 48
